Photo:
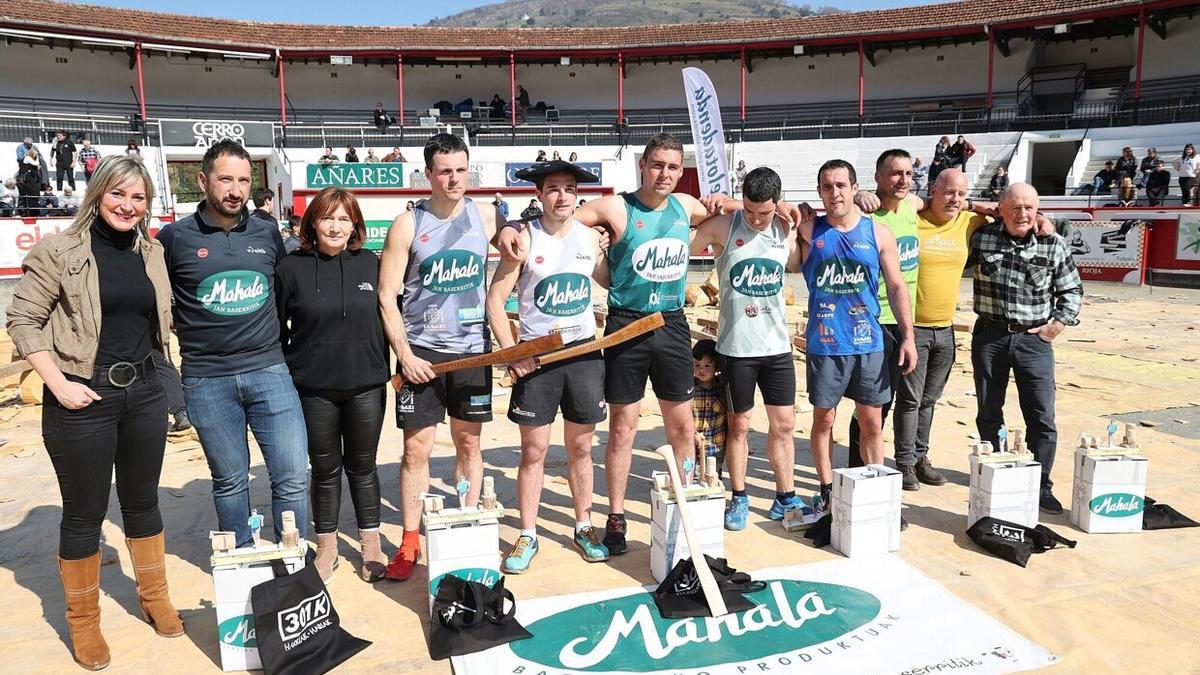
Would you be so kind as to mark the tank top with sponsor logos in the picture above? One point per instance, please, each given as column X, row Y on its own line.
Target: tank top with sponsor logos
column 842, row 273
column 903, row 224
column 649, row 263
column 554, row 289
column 753, row 313
column 445, row 283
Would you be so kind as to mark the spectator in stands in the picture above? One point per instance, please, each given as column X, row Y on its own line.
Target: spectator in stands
column 410, row 205
column 1158, row 183
column 541, row 156
column 64, row 155
column 918, row 177
column 47, row 202
column 1103, row 181
column 89, row 158
column 1188, row 166
column 8, row 198
column 25, row 146
column 394, row 156
column 133, row 150
column 997, row 184
column 522, row 97
column 328, row 157
column 291, row 241
column 69, row 204
column 351, row 154
column 739, row 176
column 29, row 179
column 497, row 106
column 573, row 158
column 554, row 157
column 264, row 205
column 500, row 205
column 531, row 211
column 382, row 119
column 1147, row 165
column 960, row 152
column 1128, row 193
column 370, row 158
column 1126, row 164
column 941, row 159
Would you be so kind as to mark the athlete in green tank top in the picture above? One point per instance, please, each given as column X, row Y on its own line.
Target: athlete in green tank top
column 649, row 263
column 903, row 223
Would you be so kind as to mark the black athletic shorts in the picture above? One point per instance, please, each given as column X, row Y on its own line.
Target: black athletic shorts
column 575, row 386
column 465, row 394
column 774, row 375
column 664, row 355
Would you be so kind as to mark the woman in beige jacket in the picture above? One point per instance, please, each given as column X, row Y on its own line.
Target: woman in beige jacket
column 91, row 306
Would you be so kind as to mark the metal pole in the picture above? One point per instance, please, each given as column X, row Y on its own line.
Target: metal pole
column 620, row 90
column 282, row 92
column 743, row 87
column 861, row 87
column 512, row 85
column 991, row 56
column 400, row 85
column 141, row 85
column 1137, row 82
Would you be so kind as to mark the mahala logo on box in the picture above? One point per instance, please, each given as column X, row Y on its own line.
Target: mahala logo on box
column 238, row 631
column 1117, row 505
column 628, row 634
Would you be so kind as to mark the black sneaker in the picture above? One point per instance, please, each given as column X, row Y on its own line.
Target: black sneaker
column 181, row 422
column 1048, row 503
column 908, row 478
column 927, row 474
column 614, row 534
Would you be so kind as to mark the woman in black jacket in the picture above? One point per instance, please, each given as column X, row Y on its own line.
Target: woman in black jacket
column 334, row 344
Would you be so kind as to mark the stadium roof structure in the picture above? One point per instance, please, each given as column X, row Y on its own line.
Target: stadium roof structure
column 295, row 41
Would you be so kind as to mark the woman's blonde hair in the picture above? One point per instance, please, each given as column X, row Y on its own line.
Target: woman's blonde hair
column 113, row 171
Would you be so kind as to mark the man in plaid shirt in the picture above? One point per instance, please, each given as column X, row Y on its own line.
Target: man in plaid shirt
column 1027, row 291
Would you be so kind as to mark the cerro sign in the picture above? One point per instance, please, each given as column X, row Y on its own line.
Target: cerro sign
column 204, row 133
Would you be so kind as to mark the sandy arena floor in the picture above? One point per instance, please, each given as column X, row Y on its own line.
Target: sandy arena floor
column 1115, row 603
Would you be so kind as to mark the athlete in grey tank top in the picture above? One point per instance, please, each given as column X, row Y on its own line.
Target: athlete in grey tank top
column 753, row 314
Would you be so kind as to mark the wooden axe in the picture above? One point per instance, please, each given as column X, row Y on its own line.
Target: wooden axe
column 517, row 352
column 643, row 325
column 708, row 583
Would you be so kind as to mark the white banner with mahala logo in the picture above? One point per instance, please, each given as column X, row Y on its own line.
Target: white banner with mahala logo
column 864, row 615
column 708, row 134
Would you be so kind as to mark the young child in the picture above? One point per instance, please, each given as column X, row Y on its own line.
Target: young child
column 708, row 404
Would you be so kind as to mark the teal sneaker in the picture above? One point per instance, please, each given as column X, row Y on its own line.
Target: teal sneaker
column 737, row 512
column 518, row 559
column 778, row 507
column 589, row 545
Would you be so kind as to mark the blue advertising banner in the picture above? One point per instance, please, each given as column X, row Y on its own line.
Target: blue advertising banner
column 511, row 169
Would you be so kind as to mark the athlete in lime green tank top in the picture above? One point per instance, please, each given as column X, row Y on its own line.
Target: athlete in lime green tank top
column 649, row 263
column 903, row 223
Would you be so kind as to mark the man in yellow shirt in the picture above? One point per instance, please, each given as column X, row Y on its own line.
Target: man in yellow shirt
column 944, row 229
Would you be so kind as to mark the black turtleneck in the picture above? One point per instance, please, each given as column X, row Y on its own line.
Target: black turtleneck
column 127, row 303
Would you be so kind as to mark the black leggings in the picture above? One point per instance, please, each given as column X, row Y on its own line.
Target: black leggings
column 126, row 429
column 343, row 430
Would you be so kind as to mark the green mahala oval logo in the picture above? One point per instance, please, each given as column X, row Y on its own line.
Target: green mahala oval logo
column 628, row 634
column 238, row 631
column 1117, row 505
column 452, row 271
column 479, row 574
column 842, row 276
column 565, row 294
column 234, row 292
column 757, row 277
column 910, row 253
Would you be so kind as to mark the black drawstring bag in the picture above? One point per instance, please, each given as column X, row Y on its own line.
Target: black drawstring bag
column 1158, row 516
column 469, row 617
column 680, row 596
column 821, row 533
column 297, row 628
column 1013, row 542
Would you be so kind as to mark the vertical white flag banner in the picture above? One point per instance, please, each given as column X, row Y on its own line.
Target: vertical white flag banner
column 707, row 133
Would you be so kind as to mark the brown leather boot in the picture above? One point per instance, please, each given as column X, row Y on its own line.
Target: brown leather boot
column 327, row 557
column 150, row 571
column 374, row 562
column 81, row 585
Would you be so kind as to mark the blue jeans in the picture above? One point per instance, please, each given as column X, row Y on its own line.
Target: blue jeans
column 265, row 399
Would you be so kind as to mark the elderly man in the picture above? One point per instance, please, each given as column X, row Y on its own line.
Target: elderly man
column 1027, row 291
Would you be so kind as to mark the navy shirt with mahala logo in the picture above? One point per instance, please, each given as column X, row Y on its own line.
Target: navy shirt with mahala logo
column 223, row 283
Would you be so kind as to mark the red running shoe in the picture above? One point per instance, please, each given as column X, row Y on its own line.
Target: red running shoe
column 401, row 567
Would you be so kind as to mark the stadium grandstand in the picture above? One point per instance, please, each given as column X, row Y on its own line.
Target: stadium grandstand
column 1050, row 90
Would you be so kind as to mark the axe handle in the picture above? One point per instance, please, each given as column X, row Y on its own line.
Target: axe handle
column 643, row 325
column 708, row 583
column 520, row 351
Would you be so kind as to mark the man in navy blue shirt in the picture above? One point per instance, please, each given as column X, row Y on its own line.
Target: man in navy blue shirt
column 221, row 261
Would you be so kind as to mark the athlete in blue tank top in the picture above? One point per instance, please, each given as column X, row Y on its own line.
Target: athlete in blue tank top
column 844, row 254
column 447, row 287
